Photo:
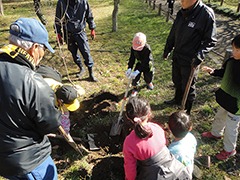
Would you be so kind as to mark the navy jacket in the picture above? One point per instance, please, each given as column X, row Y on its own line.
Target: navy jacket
column 74, row 16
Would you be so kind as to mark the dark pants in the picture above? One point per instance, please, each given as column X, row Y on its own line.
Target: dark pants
column 79, row 41
column 180, row 76
column 147, row 75
column 170, row 6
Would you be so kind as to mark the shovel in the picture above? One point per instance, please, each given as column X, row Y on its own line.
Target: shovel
column 90, row 140
column 193, row 68
column 117, row 125
column 70, row 140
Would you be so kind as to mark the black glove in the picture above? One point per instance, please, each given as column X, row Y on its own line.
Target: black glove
column 195, row 62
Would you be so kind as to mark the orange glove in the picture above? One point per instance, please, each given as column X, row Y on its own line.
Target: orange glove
column 92, row 34
column 59, row 39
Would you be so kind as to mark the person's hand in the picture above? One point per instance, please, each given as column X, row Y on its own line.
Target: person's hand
column 195, row 62
column 59, row 39
column 92, row 34
column 166, row 58
column 207, row 69
column 128, row 72
column 134, row 74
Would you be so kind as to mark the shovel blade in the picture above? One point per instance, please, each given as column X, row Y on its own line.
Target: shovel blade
column 116, row 127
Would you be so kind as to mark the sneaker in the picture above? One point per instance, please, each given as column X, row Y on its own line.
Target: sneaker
column 224, row 155
column 150, row 86
column 209, row 135
column 134, row 93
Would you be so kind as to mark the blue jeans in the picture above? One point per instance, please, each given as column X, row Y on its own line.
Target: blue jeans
column 45, row 171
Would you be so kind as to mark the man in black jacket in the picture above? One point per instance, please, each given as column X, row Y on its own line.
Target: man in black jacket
column 27, row 105
column 192, row 36
column 72, row 15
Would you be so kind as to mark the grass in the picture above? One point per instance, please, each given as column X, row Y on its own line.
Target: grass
column 110, row 52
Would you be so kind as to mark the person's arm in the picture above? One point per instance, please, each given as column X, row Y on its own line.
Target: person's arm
column 89, row 17
column 131, row 60
column 209, row 36
column 42, row 109
column 214, row 72
column 130, row 163
column 58, row 17
column 169, row 43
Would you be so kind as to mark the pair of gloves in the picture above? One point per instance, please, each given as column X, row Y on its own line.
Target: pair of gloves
column 131, row 74
column 60, row 40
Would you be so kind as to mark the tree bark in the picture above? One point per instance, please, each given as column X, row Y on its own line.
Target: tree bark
column 114, row 15
column 1, row 8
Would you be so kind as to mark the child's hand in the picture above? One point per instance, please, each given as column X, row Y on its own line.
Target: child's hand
column 128, row 72
column 134, row 74
column 207, row 69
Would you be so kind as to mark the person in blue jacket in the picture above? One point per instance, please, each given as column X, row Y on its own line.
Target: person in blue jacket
column 73, row 15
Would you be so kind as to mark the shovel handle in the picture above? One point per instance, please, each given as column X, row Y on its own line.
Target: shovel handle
column 69, row 139
column 124, row 99
column 188, row 87
column 62, row 137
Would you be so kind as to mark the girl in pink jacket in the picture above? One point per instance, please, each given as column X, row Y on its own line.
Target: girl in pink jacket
column 145, row 147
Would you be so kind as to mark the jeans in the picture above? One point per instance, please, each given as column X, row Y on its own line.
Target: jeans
column 45, row 171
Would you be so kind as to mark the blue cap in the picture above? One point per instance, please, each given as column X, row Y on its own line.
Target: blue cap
column 30, row 29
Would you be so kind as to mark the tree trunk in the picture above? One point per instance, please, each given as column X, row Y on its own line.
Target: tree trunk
column 114, row 15
column 1, row 8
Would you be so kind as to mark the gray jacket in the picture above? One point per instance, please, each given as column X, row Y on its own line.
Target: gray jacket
column 162, row 166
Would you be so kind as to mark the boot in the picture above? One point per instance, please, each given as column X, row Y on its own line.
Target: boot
column 82, row 70
column 91, row 76
column 188, row 107
column 177, row 99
